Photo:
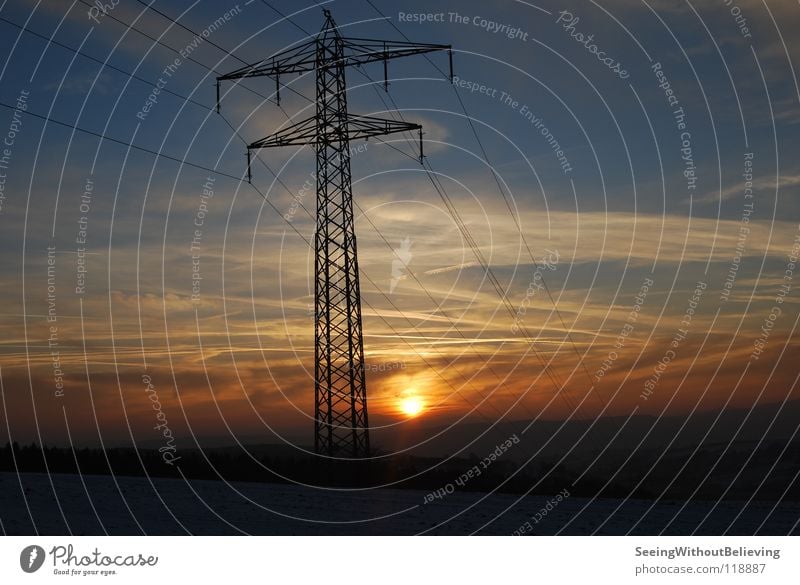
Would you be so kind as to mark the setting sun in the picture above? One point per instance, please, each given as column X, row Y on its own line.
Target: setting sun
column 411, row 405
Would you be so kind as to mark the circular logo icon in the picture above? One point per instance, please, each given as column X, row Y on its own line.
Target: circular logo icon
column 31, row 558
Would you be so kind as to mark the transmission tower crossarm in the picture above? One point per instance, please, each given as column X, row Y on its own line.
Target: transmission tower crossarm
column 307, row 132
column 299, row 59
column 360, row 51
column 357, row 51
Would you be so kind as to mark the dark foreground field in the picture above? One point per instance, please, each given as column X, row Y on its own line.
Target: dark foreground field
column 90, row 505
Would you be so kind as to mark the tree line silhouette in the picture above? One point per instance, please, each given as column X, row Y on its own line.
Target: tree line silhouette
column 676, row 475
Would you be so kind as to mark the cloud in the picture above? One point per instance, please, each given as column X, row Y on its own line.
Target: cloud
column 763, row 184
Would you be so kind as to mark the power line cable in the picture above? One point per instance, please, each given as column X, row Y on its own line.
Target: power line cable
column 508, row 205
column 462, row 227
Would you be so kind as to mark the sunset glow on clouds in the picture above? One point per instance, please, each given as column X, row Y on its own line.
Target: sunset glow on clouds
column 237, row 360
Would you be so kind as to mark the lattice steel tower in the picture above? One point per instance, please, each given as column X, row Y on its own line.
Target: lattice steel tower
column 341, row 425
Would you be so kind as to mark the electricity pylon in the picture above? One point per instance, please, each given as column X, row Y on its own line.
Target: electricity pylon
column 341, row 425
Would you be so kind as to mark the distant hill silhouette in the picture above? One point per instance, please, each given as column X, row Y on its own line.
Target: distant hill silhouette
column 764, row 469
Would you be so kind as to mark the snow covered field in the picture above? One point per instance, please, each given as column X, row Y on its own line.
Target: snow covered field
column 89, row 505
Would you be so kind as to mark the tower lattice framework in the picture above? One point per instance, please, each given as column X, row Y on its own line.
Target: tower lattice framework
column 341, row 423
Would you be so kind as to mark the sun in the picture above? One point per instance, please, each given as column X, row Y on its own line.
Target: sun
column 411, row 405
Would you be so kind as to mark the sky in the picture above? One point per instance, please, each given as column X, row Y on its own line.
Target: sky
column 627, row 170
